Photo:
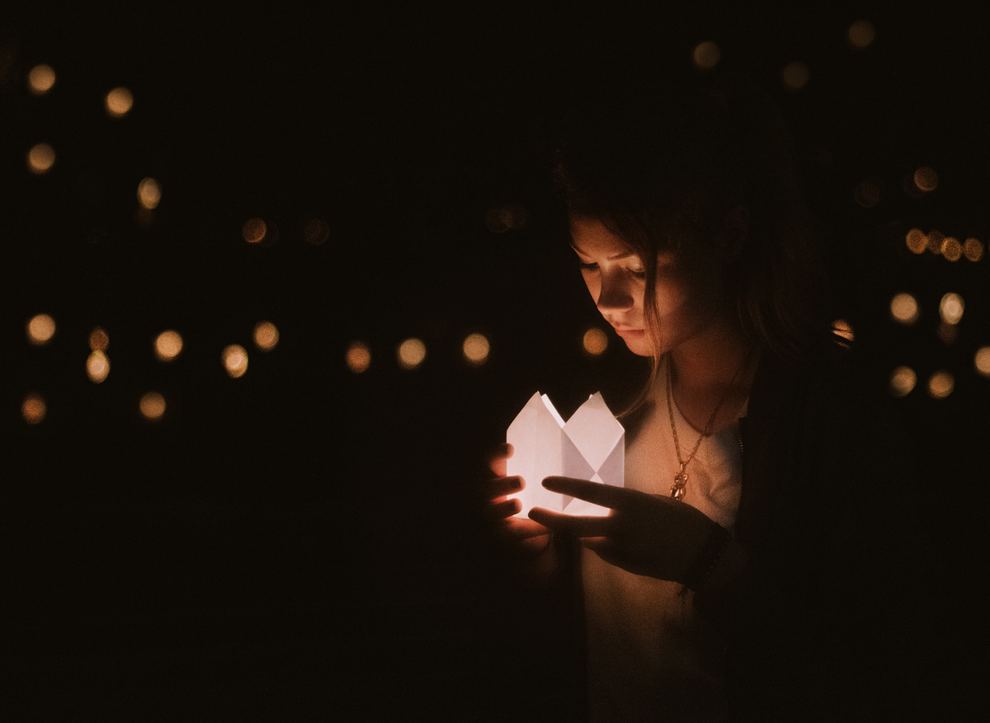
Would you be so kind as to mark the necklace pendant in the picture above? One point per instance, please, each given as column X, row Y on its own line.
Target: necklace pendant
column 677, row 489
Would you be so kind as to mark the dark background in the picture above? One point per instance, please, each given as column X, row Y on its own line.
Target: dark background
column 303, row 540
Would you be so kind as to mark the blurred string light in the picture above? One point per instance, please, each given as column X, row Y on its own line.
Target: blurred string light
column 41, row 79
column 40, row 329
column 411, row 353
column 706, row 55
column 235, row 360
column 358, row 357
column 149, row 193
column 33, row 408
column 935, row 239
column 795, row 75
column 476, row 349
column 904, row 308
column 265, row 335
column 925, row 179
column 40, row 158
column 168, row 345
column 152, row 406
column 951, row 308
column 951, row 249
column 916, row 240
column 861, row 34
column 941, row 384
column 594, row 341
column 97, row 366
column 501, row 219
column 316, row 231
column 973, row 249
column 902, row 381
column 119, row 102
column 844, row 329
column 867, row 193
column 254, row 230
column 99, row 340
column 981, row 360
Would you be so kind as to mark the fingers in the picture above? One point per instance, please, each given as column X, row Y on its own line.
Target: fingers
column 496, row 463
column 579, row 526
column 502, row 486
column 523, row 528
column 503, row 509
column 596, row 492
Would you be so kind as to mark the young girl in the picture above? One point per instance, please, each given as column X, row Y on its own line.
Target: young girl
column 750, row 565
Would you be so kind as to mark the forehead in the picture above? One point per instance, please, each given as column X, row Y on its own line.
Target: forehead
column 592, row 237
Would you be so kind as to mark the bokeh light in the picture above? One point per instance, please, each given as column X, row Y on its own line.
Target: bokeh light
column 119, row 102
column 867, row 193
column 951, row 308
column 844, row 329
column 40, row 158
column 981, row 360
column 861, row 34
column 40, row 329
column 706, row 55
column 476, row 348
column 149, row 193
column 935, row 239
column 916, row 241
column 358, row 357
column 904, row 308
column 254, row 230
column 925, row 179
column 152, row 406
column 99, row 340
column 33, row 408
column 951, row 248
column 316, row 231
column 97, row 366
column 973, row 248
column 168, row 345
column 235, row 360
column 902, row 381
column 941, row 384
column 265, row 335
column 41, row 79
column 795, row 75
column 595, row 341
column 411, row 353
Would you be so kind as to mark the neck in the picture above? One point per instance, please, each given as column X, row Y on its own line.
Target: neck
column 710, row 365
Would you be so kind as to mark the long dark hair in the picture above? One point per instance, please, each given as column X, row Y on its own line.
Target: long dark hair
column 661, row 166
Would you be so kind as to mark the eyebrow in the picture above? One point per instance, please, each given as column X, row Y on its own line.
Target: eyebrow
column 610, row 258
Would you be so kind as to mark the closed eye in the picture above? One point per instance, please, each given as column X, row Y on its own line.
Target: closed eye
column 639, row 274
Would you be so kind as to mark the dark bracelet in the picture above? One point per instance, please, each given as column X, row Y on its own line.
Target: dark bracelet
column 712, row 551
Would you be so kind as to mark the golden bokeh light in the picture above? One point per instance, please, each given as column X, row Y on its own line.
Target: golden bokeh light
column 235, row 360
column 916, row 241
column 951, row 308
column 33, row 408
column 99, row 340
column 861, row 34
column 41, row 79
column 941, row 384
column 951, row 248
column 476, row 348
column 265, row 335
column 867, row 193
column 358, row 357
column 119, row 102
column 706, row 55
column 97, row 366
column 904, row 308
column 902, row 381
column 973, row 248
column 411, row 353
column 40, row 158
column 981, row 360
column 925, row 179
column 795, row 75
column 935, row 238
column 152, row 406
column 168, row 345
column 844, row 329
column 595, row 341
column 254, row 230
column 316, row 232
column 149, row 193
column 40, row 329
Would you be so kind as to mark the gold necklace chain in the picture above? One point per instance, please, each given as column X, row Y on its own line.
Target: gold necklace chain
column 681, row 478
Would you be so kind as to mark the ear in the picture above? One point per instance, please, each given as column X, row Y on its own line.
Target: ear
column 735, row 230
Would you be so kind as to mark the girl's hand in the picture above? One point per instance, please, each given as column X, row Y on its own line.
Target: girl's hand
column 644, row 534
column 525, row 536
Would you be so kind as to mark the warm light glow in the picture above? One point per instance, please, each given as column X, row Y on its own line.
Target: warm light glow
column 40, row 158
column 981, row 360
column 149, row 193
column 40, row 329
column 254, row 230
column 844, row 329
column 316, row 231
column 97, row 366
column 926, row 179
column 916, row 241
column 935, row 238
column 119, row 102
column 973, row 249
column 476, row 348
column 795, row 75
column 235, row 360
column 99, row 340
column 902, row 381
column 951, row 248
column 867, row 194
column 861, row 34
column 904, row 308
column 595, row 341
column 168, row 345
column 265, row 335
column 951, row 308
column 941, row 384
column 358, row 357
column 33, row 408
column 41, row 78
column 152, row 406
column 706, row 55
column 411, row 354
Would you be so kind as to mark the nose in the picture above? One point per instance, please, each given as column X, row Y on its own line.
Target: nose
column 615, row 294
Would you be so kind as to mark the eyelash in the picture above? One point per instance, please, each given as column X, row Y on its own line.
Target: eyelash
column 592, row 267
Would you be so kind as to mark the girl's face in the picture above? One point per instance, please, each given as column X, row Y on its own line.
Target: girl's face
column 616, row 278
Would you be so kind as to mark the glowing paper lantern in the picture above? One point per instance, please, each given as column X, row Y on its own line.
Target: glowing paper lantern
column 590, row 446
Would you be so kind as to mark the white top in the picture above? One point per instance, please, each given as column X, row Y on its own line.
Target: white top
column 650, row 657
